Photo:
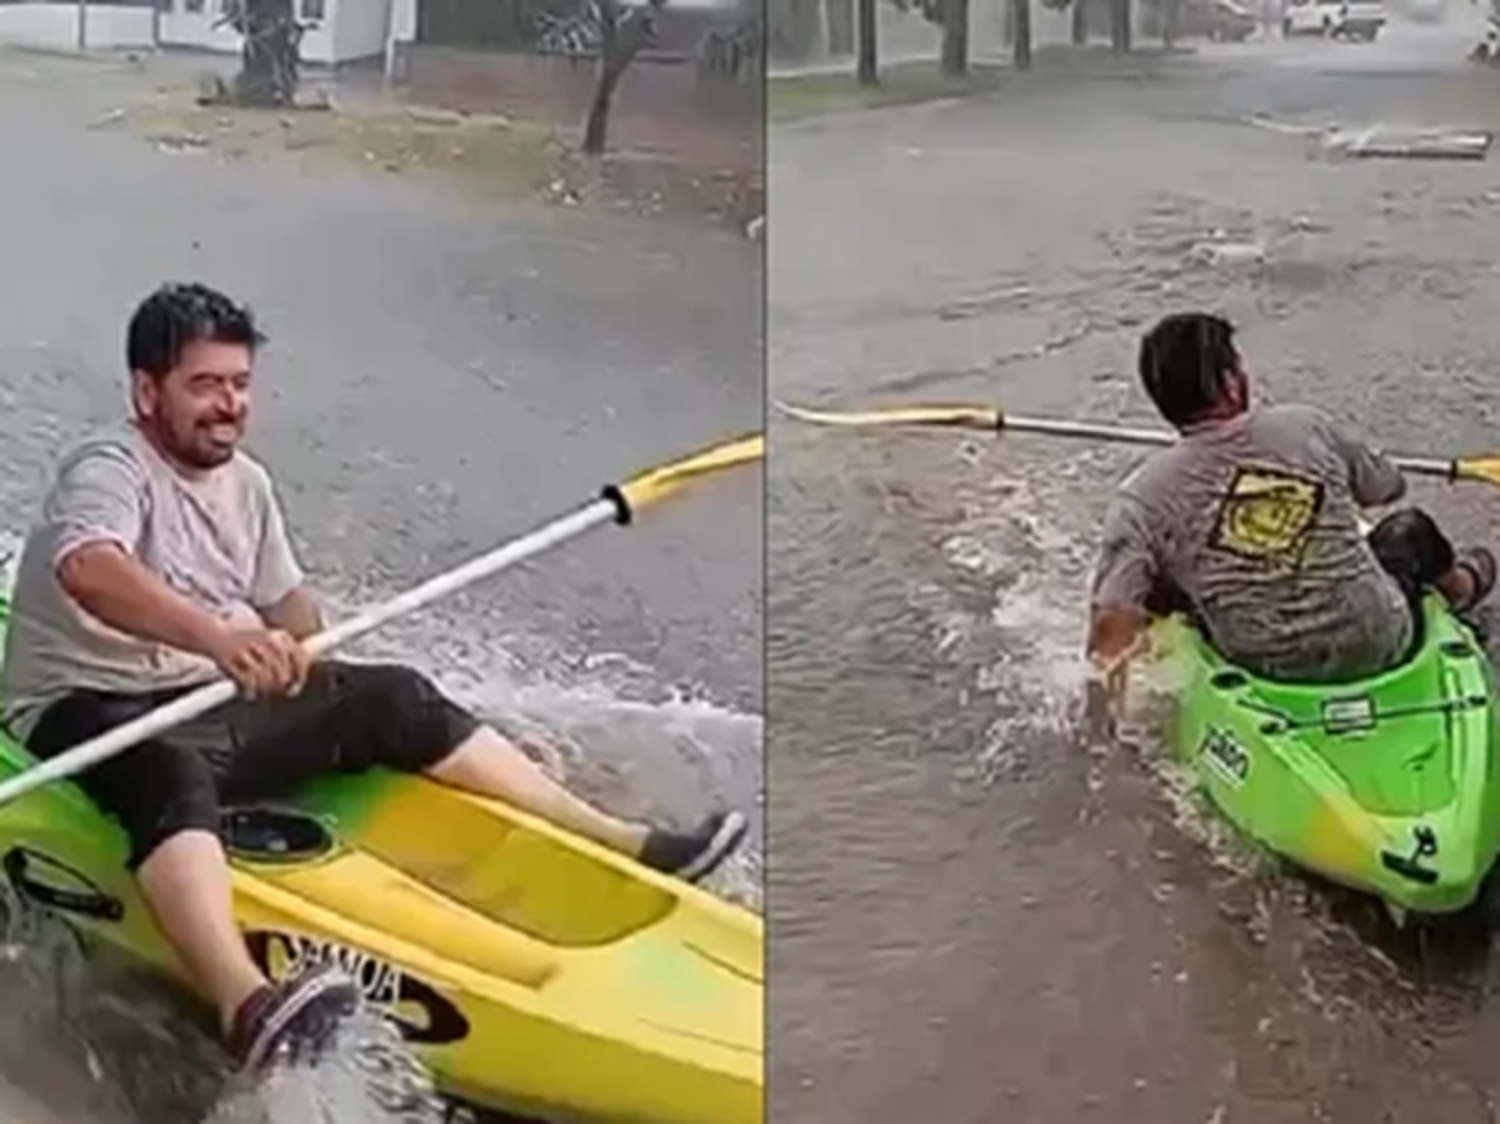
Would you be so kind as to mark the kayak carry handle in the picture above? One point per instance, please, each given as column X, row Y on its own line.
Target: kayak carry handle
column 92, row 902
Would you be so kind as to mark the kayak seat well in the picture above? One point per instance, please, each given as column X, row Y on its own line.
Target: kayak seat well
column 493, row 859
column 268, row 834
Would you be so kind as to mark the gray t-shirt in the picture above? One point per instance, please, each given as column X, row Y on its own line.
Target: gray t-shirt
column 1255, row 522
column 218, row 539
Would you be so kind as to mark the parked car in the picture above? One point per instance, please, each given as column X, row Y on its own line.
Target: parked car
column 1334, row 19
column 1422, row 11
column 1223, row 21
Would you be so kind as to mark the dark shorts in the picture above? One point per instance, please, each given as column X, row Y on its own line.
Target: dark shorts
column 1407, row 543
column 1412, row 548
column 350, row 717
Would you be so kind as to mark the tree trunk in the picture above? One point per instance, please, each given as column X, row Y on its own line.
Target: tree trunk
column 1021, row 48
column 840, row 27
column 869, row 46
column 792, row 33
column 620, row 40
column 1119, row 26
column 268, row 57
column 1080, row 23
column 955, row 38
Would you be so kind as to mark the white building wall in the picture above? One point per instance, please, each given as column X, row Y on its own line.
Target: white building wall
column 55, row 27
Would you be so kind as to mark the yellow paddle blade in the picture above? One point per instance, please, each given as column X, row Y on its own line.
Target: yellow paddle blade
column 959, row 416
column 1483, row 469
column 657, row 483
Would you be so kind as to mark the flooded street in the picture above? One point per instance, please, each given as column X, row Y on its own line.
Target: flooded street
column 973, row 917
column 441, row 377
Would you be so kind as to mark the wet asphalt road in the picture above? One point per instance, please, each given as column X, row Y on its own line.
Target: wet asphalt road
column 972, row 918
column 440, row 378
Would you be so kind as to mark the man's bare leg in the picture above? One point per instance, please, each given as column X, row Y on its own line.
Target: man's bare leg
column 1470, row 580
column 1457, row 585
column 187, row 887
column 489, row 764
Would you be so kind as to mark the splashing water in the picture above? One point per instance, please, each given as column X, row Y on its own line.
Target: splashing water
column 1033, row 671
column 368, row 1075
column 96, row 1040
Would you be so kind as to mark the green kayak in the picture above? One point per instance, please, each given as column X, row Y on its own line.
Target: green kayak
column 1388, row 785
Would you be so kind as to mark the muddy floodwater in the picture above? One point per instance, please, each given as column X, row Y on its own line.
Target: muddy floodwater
column 973, row 918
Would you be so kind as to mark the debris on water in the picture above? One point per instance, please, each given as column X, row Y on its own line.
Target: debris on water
column 755, row 229
column 1218, row 1115
column 1285, row 128
column 1228, row 253
column 181, row 142
column 443, row 118
column 112, row 117
column 1395, row 142
column 1443, row 142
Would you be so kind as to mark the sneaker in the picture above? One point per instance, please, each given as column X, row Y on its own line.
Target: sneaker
column 300, row 1014
column 1480, row 563
column 694, row 855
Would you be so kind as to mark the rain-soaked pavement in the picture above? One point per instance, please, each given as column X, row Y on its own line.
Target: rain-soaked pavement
column 440, row 378
column 972, row 918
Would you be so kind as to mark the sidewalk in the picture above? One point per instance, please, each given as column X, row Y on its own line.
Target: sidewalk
column 819, row 89
column 778, row 72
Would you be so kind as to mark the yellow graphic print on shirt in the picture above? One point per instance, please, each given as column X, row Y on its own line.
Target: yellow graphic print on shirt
column 1267, row 515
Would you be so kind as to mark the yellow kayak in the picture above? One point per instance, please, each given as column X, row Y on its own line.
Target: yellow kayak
column 534, row 972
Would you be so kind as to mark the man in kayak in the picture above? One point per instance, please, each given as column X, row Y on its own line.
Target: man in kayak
column 1249, row 523
column 160, row 561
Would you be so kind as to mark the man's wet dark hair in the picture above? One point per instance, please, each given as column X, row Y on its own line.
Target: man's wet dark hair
column 180, row 314
column 1184, row 362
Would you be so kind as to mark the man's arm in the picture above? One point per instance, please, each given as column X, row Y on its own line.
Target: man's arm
column 296, row 613
column 1373, row 479
column 279, row 593
column 113, row 587
column 1123, row 578
column 95, row 514
column 1115, row 632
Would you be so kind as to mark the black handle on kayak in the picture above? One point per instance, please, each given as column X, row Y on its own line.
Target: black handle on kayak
column 87, row 903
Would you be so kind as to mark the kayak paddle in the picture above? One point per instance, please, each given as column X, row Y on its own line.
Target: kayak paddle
column 618, row 503
column 993, row 420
